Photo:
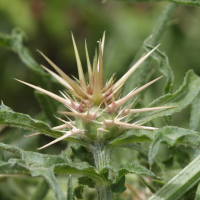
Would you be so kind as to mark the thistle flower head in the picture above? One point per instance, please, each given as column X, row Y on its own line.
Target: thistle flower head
column 95, row 104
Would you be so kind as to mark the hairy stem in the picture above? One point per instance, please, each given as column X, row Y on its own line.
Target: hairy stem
column 101, row 153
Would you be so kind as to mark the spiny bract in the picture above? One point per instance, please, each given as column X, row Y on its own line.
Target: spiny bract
column 95, row 105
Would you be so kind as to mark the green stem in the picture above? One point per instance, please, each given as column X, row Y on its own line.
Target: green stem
column 101, row 153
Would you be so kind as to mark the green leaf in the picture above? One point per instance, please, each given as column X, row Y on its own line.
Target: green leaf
column 133, row 168
column 119, row 187
column 14, row 166
column 181, row 183
column 181, row 99
column 5, row 108
column 83, row 154
column 60, row 164
column 148, row 185
column 133, row 139
column 125, row 144
column 78, row 191
column 14, row 42
column 172, row 135
column 70, row 193
column 164, row 66
column 182, row 155
column 86, row 181
column 11, row 118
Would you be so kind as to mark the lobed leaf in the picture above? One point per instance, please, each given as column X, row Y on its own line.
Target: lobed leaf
column 180, row 99
column 171, row 136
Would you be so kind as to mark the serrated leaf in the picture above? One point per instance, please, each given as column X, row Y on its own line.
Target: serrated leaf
column 172, row 135
column 181, row 99
column 70, row 193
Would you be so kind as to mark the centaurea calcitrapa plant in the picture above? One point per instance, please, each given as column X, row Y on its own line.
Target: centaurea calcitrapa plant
column 98, row 111
column 96, row 107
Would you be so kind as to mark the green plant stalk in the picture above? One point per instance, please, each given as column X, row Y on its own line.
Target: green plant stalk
column 181, row 183
column 101, row 153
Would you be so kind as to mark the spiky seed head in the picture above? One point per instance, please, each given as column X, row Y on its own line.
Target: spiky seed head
column 95, row 105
